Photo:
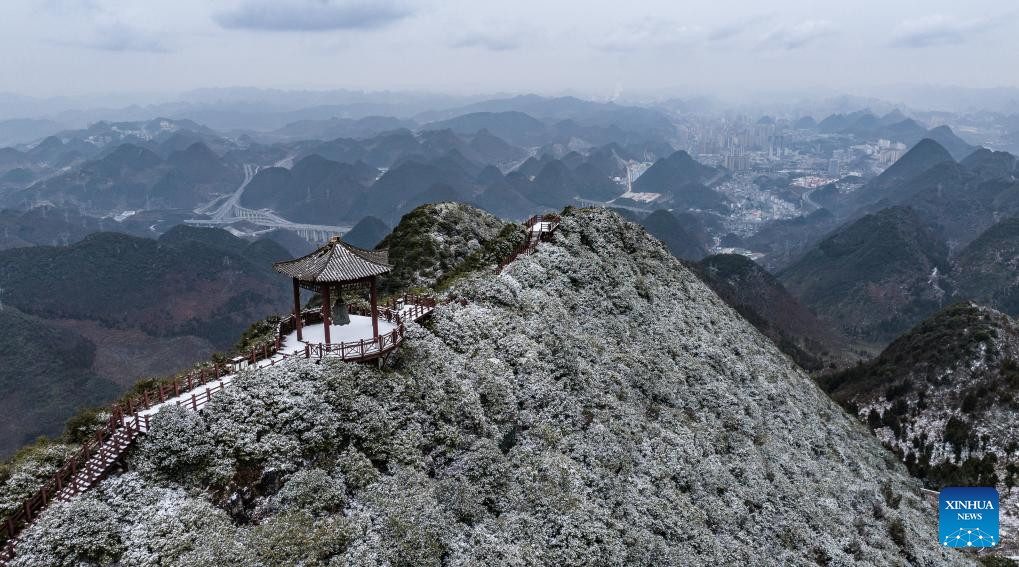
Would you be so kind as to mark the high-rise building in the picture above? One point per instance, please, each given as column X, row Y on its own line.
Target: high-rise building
column 736, row 160
column 834, row 167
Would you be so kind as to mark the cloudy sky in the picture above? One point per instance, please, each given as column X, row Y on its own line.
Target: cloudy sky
column 637, row 47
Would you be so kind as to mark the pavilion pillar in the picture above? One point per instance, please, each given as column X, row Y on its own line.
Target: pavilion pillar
column 375, row 307
column 326, row 319
column 297, row 309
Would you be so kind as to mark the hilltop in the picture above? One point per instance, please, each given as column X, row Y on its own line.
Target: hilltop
column 433, row 239
column 667, row 228
column 875, row 277
column 988, row 268
column 944, row 397
column 595, row 403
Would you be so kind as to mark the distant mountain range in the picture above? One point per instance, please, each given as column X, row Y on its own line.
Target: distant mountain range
column 96, row 316
column 683, row 243
column 962, row 199
column 875, row 277
column 511, row 156
column 894, row 126
column 885, row 272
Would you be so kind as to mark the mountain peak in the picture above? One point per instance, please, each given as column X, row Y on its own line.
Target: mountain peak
column 545, row 394
column 855, row 276
column 925, row 154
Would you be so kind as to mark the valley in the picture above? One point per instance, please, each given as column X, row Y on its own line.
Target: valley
column 847, row 247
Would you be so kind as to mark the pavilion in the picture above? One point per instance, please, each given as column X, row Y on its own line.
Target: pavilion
column 331, row 270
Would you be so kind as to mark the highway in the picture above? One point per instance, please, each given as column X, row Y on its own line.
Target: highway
column 230, row 211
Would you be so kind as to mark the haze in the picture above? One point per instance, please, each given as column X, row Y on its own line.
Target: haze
column 643, row 48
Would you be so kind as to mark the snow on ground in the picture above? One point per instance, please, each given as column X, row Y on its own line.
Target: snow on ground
column 360, row 327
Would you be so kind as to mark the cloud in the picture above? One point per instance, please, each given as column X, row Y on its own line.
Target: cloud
column 489, row 42
column 313, row 15
column 795, row 36
column 71, row 5
column 647, row 33
column 939, row 29
column 729, row 31
column 121, row 37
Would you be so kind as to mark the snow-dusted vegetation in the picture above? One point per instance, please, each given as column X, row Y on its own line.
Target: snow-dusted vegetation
column 433, row 239
column 595, row 404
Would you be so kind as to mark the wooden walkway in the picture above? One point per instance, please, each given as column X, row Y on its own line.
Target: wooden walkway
column 539, row 229
column 104, row 452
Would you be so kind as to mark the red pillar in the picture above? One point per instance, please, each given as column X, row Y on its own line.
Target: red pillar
column 297, row 308
column 326, row 318
column 375, row 308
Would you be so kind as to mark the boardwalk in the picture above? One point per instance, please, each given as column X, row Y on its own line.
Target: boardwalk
column 104, row 452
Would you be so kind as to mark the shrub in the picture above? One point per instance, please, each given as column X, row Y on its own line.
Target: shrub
column 313, row 491
column 177, row 447
column 81, row 531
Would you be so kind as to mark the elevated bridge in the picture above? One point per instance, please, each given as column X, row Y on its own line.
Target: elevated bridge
column 230, row 211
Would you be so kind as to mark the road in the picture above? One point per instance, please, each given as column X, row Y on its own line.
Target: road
column 234, row 199
column 230, row 211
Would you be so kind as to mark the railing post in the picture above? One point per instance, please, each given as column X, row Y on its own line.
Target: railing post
column 161, row 398
column 194, row 403
column 145, row 397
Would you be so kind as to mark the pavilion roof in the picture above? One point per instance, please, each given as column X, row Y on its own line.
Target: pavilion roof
column 336, row 262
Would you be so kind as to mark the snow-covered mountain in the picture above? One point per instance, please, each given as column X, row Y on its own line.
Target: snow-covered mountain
column 945, row 398
column 593, row 404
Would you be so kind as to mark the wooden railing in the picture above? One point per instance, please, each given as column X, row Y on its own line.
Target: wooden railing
column 127, row 419
column 131, row 415
column 397, row 310
column 533, row 237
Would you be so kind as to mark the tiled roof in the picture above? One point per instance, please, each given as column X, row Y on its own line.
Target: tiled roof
column 337, row 261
